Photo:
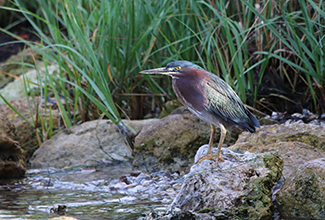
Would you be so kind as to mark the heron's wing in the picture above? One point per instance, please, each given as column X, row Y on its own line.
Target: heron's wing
column 225, row 103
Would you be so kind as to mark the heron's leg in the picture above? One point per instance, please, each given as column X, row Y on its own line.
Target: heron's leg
column 209, row 154
column 213, row 133
column 222, row 138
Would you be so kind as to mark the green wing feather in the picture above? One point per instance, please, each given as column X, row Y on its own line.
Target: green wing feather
column 225, row 103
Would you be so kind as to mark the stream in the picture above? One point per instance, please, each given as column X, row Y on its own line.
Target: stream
column 86, row 193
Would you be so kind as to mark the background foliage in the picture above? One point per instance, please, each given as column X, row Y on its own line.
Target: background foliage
column 270, row 52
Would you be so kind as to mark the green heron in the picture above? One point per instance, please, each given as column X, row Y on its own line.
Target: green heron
column 210, row 98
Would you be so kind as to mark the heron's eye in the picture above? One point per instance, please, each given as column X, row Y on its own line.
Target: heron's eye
column 178, row 68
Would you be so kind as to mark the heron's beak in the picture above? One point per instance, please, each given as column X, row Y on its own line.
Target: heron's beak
column 162, row 70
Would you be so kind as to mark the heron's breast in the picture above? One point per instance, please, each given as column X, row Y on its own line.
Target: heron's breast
column 190, row 93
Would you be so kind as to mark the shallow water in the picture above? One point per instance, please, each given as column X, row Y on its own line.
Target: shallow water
column 87, row 193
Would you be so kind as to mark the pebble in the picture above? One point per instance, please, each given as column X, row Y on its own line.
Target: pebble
column 296, row 118
column 140, row 178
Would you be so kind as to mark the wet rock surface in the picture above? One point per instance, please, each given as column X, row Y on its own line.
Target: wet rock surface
column 12, row 156
column 241, row 187
column 91, row 143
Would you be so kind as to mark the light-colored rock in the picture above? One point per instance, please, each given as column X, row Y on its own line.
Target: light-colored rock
column 91, row 143
column 12, row 157
column 310, row 134
column 296, row 144
column 242, row 185
column 16, row 89
column 293, row 153
column 303, row 195
column 14, row 65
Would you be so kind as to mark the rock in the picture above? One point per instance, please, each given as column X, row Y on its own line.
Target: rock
column 170, row 107
column 303, row 195
column 30, row 108
column 171, row 143
column 310, row 134
column 295, row 144
column 12, row 157
column 186, row 215
column 293, row 153
column 81, row 145
column 63, row 218
column 16, row 89
column 241, row 187
column 13, row 66
column 267, row 121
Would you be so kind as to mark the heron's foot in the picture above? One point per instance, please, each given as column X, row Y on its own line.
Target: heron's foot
column 210, row 156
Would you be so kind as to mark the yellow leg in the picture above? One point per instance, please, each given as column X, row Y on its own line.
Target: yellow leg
column 213, row 133
column 222, row 138
column 209, row 154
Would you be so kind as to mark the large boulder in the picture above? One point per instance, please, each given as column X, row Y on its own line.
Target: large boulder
column 171, row 143
column 91, row 143
column 241, row 187
column 12, row 157
column 296, row 144
column 302, row 147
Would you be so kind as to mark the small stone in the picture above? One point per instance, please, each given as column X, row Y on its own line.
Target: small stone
column 313, row 117
column 140, row 178
column 297, row 122
column 297, row 115
column 306, row 113
column 322, row 124
column 323, row 116
column 125, row 179
column 314, row 122
column 164, row 187
column 274, row 115
column 160, row 174
column 146, row 183
column 277, row 115
column 135, row 173
column 288, row 122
